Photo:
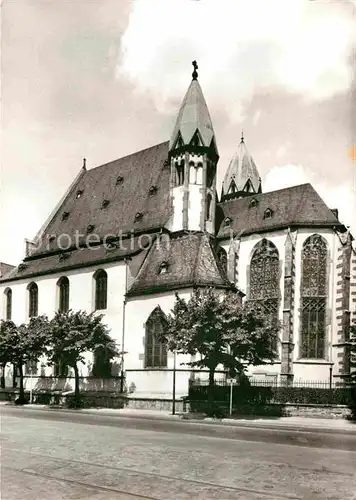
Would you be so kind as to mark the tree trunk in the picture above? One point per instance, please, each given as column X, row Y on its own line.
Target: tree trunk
column 211, row 388
column 14, row 370
column 2, row 382
column 22, row 391
column 76, row 381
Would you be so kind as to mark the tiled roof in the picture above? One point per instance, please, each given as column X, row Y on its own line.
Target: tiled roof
column 81, row 257
column 298, row 205
column 5, row 269
column 106, row 199
column 193, row 115
column 190, row 260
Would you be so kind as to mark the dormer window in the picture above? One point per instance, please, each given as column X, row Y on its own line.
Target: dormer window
column 163, row 268
column 22, row 267
column 79, row 193
column 63, row 257
column 227, row 222
column 105, row 203
column 268, row 213
column 153, row 190
column 119, row 180
column 90, row 228
column 138, row 216
column 166, row 163
column 253, row 203
column 51, row 238
column 65, row 215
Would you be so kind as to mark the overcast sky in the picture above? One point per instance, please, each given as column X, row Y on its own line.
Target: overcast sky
column 103, row 78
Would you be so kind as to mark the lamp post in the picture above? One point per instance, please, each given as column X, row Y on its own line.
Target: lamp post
column 174, row 384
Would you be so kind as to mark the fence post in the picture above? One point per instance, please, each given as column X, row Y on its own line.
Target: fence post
column 231, row 391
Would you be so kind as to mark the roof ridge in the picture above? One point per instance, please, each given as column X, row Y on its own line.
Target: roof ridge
column 128, row 155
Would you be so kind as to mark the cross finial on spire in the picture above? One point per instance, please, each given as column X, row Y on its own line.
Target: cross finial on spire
column 242, row 136
column 195, row 73
column 84, row 163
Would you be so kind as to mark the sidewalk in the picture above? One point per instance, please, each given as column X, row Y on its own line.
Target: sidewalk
column 287, row 423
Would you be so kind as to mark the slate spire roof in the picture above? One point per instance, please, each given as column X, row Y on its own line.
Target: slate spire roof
column 242, row 176
column 193, row 116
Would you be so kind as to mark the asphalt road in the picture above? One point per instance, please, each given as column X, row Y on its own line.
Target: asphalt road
column 59, row 455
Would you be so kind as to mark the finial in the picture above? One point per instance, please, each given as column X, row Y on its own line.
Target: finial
column 84, row 163
column 195, row 73
column 242, row 136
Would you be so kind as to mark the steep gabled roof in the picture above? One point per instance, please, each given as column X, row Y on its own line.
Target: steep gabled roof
column 242, row 171
column 190, row 261
column 5, row 269
column 125, row 184
column 295, row 206
column 193, row 116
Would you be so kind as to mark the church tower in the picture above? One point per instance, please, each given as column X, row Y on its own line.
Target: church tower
column 193, row 159
column 242, row 177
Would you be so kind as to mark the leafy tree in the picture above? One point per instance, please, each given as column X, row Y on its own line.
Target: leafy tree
column 23, row 344
column 72, row 334
column 221, row 331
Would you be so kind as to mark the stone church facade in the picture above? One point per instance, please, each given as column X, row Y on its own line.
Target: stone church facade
column 129, row 234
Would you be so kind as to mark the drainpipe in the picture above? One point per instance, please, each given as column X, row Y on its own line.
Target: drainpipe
column 123, row 327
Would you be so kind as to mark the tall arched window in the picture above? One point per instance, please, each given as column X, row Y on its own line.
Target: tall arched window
column 264, row 278
column 8, row 303
column 208, row 206
column 32, row 300
column 222, row 258
column 101, row 289
column 155, row 351
column 313, row 297
column 63, row 289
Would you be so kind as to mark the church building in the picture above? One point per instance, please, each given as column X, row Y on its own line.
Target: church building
column 129, row 234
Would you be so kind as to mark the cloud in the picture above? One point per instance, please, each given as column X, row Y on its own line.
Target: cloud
column 241, row 47
column 341, row 196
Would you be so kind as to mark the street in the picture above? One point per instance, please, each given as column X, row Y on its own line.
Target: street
column 61, row 455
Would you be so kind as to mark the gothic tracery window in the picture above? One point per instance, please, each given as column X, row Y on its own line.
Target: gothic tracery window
column 155, row 350
column 8, row 303
column 264, row 288
column 222, row 258
column 179, row 171
column 313, row 297
column 209, row 200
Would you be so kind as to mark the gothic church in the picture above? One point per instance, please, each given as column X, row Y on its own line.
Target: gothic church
column 284, row 249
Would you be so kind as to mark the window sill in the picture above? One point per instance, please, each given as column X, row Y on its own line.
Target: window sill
column 312, row 361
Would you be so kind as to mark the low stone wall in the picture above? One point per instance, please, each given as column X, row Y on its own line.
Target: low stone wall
column 315, row 411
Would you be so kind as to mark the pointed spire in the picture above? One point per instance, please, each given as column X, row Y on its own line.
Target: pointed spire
column 242, row 177
column 193, row 116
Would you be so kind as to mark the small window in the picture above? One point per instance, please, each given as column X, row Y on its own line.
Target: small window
column 253, row 203
column 79, row 193
column 227, row 222
column 268, row 213
column 166, row 163
column 105, row 203
column 138, row 216
column 153, row 190
column 65, row 215
column 63, row 257
column 22, row 267
column 90, row 228
column 51, row 238
column 119, row 180
column 163, row 268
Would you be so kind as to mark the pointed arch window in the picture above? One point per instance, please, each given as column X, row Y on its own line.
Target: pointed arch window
column 264, row 289
column 32, row 300
column 313, row 297
column 179, row 172
column 222, row 258
column 63, row 289
column 155, row 350
column 8, row 303
column 209, row 200
column 101, row 289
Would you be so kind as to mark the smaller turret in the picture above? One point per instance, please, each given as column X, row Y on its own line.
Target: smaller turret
column 242, row 177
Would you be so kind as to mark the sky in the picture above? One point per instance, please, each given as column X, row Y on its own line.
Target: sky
column 103, row 78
